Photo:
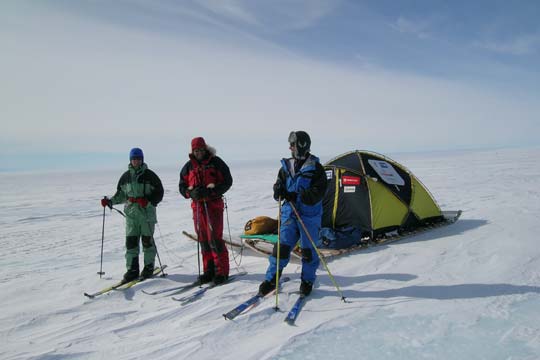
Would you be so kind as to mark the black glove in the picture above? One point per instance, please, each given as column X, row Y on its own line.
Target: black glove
column 280, row 191
column 194, row 194
column 199, row 193
column 289, row 196
column 106, row 202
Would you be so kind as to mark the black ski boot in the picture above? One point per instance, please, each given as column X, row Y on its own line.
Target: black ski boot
column 208, row 274
column 133, row 271
column 147, row 272
column 220, row 279
column 130, row 275
column 305, row 288
column 206, row 278
column 266, row 287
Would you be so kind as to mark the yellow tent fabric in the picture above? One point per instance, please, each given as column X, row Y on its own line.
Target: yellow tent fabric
column 386, row 208
column 422, row 204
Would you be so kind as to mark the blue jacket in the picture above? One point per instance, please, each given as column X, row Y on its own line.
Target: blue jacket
column 309, row 182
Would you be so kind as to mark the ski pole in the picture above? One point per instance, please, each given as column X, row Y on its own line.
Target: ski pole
column 210, row 228
column 318, row 252
column 152, row 238
column 238, row 263
column 211, row 238
column 151, row 229
column 101, row 272
column 198, row 231
column 158, row 257
column 118, row 211
column 278, row 254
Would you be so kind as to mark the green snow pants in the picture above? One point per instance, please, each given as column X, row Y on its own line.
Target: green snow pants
column 139, row 228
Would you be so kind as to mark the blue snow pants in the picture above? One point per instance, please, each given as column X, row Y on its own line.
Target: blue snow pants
column 291, row 231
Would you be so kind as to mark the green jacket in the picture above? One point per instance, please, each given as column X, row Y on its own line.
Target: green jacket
column 139, row 183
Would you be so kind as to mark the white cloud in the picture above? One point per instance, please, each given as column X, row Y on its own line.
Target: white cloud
column 232, row 9
column 181, row 10
column 272, row 16
column 520, row 45
column 416, row 28
column 107, row 88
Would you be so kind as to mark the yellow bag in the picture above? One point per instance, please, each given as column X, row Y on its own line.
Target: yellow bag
column 261, row 225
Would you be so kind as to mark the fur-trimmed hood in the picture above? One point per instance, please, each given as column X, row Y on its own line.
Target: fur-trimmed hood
column 211, row 150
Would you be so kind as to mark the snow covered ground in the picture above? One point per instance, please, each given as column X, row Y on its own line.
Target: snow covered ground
column 467, row 291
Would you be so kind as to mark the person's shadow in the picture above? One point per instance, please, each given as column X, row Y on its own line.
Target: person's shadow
column 408, row 293
column 438, row 292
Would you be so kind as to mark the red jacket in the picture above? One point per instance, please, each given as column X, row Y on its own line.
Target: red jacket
column 211, row 170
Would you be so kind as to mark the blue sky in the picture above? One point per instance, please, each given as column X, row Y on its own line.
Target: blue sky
column 84, row 81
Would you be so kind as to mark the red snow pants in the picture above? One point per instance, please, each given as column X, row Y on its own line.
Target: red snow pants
column 208, row 220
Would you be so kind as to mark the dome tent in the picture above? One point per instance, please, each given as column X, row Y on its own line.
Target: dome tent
column 373, row 193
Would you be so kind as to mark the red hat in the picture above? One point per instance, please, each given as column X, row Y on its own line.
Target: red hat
column 198, row 143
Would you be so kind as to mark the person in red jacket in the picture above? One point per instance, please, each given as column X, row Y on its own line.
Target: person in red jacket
column 204, row 179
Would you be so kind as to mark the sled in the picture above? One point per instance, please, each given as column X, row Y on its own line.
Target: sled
column 264, row 243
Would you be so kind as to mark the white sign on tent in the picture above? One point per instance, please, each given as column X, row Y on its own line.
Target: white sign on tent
column 387, row 172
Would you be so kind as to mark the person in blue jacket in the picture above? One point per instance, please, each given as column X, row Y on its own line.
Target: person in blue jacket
column 301, row 181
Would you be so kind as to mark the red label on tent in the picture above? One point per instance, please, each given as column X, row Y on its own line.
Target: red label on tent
column 350, row 180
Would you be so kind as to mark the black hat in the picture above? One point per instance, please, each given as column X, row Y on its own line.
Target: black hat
column 302, row 143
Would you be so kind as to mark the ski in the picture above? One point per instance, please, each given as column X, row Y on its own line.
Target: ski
column 251, row 302
column 122, row 285
column 197, row 294
column 295, row 310
column 180, row 288
column 192, row 297
column 103, row 291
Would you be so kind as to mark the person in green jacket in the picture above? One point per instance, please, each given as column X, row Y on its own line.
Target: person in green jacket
column 140, row 189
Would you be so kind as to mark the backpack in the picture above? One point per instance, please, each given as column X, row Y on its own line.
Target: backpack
column 261, row 225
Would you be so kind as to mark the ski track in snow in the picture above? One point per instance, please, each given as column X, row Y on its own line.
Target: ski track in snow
column 467, row 291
